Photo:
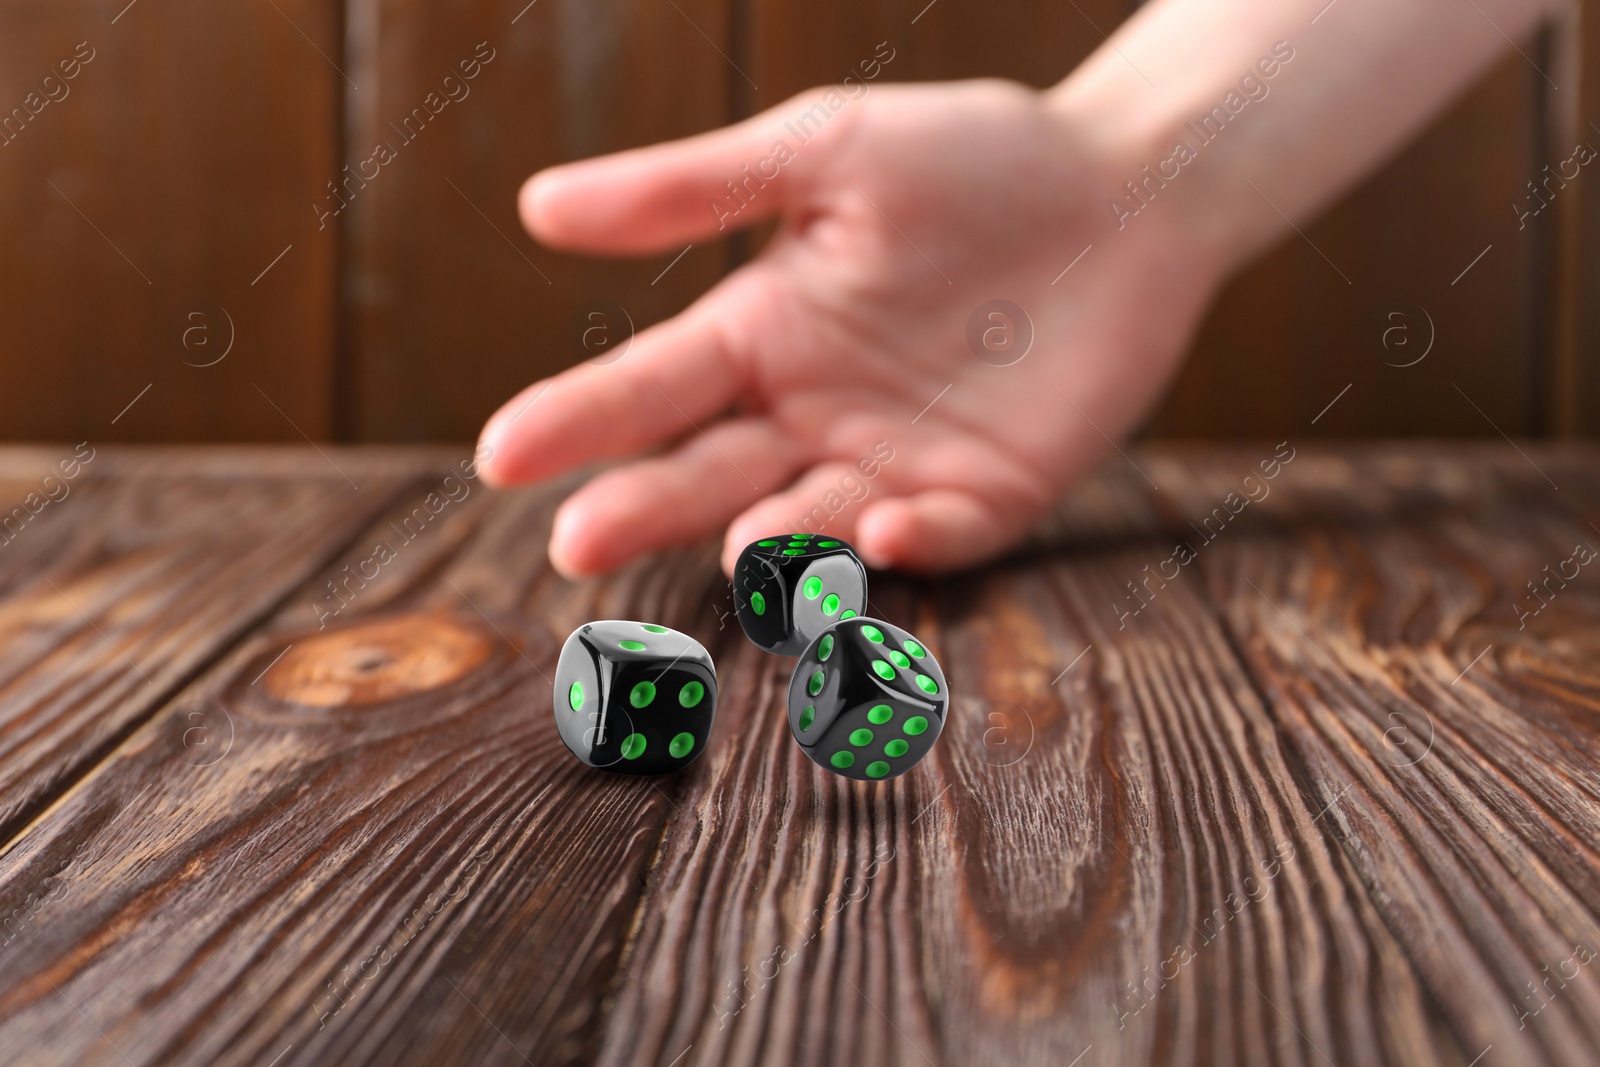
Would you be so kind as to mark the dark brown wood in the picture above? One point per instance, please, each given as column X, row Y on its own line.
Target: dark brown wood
column 142, row 208
column 415, row 852
column 452, row 307
column 1582, row 289
column 1295, row 328
column 1292, row 331
column 125, row 579
column 1326, row 793
column 1154, row 855
column 795, row 48
column 195, row 148
column 1561, row 52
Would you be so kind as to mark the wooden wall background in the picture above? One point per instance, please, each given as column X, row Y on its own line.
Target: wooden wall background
column 177, row 176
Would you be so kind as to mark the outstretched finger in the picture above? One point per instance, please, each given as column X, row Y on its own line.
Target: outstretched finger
column 817, row 503
column 670, row 500
column 934, row 530
column 653, row 199
column 673, row 380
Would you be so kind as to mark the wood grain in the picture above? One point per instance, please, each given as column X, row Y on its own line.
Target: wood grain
column 1328, row 796
column 1176, row 867
column 133, row 578
column 452, row 307
column 1579, row 291
column 793, row 48
column 1468, row 804
column 196, row 149
column 1395, row 243
column 143, row 207
column 1073, row 841
column 1296, row 327
column 407, row 864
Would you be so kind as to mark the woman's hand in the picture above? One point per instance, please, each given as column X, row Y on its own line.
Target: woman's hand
column 910, row 208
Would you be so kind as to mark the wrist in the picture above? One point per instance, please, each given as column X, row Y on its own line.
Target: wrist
column 1160, row 170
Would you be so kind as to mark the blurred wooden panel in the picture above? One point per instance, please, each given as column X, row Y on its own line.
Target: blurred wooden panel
column 156, row 186
column 790, row 47
column 1298, row 326
column 452, row 308
column 796, row 46
column 135, row 579
column 147, row 207
column 1292, row 331
column 1585, row 215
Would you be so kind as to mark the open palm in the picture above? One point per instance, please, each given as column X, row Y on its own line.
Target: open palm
column 835, row 380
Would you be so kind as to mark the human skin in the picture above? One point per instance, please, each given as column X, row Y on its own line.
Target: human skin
column 917, row 203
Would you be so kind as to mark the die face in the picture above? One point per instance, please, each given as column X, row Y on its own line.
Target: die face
column 786, row 590
column 827, row 590
column 867, row 700
column 634, row 698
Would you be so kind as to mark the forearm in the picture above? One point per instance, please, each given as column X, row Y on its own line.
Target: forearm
column 1361, row 80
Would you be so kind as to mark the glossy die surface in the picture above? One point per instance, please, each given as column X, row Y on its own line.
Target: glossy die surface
column 867, row 700
column 633, row 697
column 787, row 589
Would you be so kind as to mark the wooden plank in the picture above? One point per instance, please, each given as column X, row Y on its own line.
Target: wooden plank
column 1176, row 837
column 788, row 48
column 1401, row 238
column 1454, row 748
column 1561, row 54
column 794, row 47
column 122, row 581
column 453, row 308
column 387, row 856
column 1167, row 870
column 1582, row 286
column 142, row 204
column 1082, row 820
column 1293, row 329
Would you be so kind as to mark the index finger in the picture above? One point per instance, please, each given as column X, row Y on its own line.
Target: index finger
column 675, row 377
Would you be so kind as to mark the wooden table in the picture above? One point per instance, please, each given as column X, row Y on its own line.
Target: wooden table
column 1328, row 798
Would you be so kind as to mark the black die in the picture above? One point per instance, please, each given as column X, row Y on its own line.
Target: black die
column 867, row 700
column 634, row 697
column 788, row 589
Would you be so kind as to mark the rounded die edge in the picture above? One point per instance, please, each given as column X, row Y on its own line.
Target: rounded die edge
column 582, row 644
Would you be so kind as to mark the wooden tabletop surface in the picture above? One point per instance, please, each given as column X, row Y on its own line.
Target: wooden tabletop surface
column 280, row 783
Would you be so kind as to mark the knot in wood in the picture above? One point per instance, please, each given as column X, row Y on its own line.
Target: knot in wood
column 378, row 661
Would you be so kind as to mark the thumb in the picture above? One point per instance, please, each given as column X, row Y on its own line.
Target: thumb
column 651, row 199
